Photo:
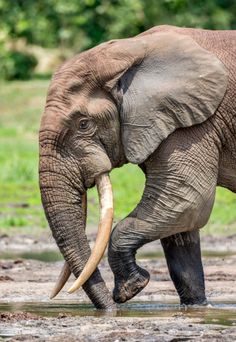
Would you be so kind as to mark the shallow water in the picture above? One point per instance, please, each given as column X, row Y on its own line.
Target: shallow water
column 217, row 313
column 52, row 256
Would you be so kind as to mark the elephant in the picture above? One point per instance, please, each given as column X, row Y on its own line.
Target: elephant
column 166, row 101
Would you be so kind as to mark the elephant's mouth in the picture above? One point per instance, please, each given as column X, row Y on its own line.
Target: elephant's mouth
column 104, row 229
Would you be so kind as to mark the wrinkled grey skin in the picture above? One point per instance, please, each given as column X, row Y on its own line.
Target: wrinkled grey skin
column 165, row 100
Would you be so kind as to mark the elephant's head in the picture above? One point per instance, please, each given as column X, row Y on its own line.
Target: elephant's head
column 107, row 106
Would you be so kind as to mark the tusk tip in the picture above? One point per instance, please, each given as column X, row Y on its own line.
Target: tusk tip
column 53, row 294
column 71, row 290
column 63, row 277
column 76, row 286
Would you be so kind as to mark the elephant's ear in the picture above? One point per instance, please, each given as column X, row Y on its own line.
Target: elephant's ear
column 177, row 84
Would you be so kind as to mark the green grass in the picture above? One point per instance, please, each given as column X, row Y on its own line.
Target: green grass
column 20, row 206
column 21, row 106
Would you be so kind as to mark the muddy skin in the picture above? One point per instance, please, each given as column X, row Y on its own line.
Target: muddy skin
column 129, row 277
column 127, row 287
column 183, row 256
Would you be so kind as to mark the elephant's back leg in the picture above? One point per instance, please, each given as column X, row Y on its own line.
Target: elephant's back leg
column 183, row 257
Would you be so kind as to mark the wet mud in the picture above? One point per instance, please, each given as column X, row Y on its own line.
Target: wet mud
column 30, row 266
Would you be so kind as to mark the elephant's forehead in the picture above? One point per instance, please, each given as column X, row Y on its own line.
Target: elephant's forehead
column 94, row 103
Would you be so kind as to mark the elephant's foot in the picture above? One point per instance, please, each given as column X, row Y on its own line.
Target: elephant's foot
column 194, row 301
column 127, row 288
column 130, row 279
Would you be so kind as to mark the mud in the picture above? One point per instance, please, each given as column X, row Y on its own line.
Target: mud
column 30, row 265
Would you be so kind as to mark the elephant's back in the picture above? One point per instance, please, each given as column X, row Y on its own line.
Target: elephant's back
column 220, row 42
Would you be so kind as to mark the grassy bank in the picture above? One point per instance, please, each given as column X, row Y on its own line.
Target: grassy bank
column 20, row 206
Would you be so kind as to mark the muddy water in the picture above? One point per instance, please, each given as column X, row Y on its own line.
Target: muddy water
column 216, row 318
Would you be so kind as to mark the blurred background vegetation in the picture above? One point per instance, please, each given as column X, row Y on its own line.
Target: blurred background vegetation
column 35, row 37
column 60, row 28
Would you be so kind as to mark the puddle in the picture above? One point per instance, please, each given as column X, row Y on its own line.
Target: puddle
column 52, row 256
column 217, row 313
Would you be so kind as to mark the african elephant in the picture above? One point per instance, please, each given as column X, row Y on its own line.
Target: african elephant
column 165, row 100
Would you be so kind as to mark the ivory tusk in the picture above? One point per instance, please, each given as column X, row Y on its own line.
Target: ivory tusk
column 62, row 279
column 104, row 229
column 66, row 272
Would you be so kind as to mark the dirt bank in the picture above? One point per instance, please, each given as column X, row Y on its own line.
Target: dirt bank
column 27, row 314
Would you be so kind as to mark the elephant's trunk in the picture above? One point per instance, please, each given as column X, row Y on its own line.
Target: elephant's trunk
column 66, row 272
column 104, row 230
column 62, row 203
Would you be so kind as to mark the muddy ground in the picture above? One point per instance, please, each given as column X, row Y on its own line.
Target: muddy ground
column 27, row 314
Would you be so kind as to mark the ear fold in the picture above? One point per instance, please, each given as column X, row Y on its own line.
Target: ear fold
column 112, row 59
column 176, row 84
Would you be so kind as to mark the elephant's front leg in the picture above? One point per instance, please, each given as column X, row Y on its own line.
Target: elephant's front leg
column 183, row 256
column 130, row 278
column 179, row 194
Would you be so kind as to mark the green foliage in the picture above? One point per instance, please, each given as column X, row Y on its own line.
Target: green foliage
column 85, row 23
column 78, row 25
column 16, row 65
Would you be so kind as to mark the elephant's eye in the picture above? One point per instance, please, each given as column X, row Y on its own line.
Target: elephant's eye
column 86, row 127
column 84, row 124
